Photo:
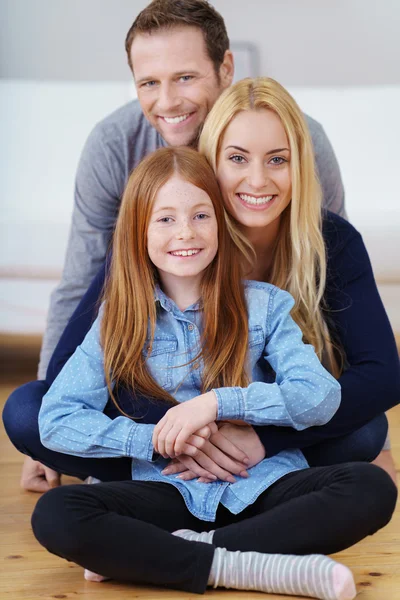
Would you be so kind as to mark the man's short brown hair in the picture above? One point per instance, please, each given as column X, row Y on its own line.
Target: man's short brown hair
column 165, row 14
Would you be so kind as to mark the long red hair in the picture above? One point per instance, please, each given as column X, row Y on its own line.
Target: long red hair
column 129, row 305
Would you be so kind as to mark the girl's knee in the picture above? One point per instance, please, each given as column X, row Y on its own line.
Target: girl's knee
column 54, row 522
column 373, row 492
column 385, row 492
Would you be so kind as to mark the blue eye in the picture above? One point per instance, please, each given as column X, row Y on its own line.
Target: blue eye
column 236, row 158
column 201, row 216
column 149, row 84
column 164, row 220
column 278, row 160
column 186, row 77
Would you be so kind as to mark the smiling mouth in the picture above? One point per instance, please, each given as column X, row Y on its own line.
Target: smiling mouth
column 189, row 252
column 177, row 119
column 256, row 200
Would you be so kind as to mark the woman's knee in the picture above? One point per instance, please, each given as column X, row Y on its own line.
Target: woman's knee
column 368, row 441
column 20, row 414
column 363, row 445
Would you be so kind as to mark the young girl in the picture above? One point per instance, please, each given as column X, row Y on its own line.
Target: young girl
column 179, row 327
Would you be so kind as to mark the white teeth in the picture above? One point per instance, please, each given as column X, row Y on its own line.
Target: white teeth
column 255, row 201
column 176, row 119
column 185, row 252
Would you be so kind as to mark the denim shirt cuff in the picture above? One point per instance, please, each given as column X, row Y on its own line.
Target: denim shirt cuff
column 140, row 444
column 230, row 403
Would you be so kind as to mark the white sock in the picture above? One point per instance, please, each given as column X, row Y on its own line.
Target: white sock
column 311, row 575
column 91, row 576
column 194, row 536
column 91, row 480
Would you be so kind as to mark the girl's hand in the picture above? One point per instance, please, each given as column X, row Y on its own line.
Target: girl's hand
column 180, row 422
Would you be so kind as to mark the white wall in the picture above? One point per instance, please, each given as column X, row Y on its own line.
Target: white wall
column 301, row 42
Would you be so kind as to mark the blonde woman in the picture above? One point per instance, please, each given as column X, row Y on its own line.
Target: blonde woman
column 257, row 141
column 179, row 327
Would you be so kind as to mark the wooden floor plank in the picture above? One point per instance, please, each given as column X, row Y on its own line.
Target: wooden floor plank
column 31, row 573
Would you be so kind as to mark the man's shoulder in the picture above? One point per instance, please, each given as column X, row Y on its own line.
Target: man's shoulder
column 313, row 124
column 123, row 138
column 127, row 124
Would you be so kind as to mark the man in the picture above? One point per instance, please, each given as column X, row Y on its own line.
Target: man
column 179, row 55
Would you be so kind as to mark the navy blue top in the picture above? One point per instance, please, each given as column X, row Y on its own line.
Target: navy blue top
column 356, row 317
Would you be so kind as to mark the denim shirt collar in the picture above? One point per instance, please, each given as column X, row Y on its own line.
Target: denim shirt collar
column 170, row 306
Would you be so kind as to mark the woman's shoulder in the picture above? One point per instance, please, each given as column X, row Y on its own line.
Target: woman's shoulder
column 337, row 232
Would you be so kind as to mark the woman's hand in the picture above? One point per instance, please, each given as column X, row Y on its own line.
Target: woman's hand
column 180, row 422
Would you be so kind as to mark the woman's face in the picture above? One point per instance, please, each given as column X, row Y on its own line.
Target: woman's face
column 254, row 168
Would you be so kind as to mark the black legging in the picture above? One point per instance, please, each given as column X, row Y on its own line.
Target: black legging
column 122, row 529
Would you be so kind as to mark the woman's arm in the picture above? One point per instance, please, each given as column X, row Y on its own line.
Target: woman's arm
column 71, row 418
column 371, row 382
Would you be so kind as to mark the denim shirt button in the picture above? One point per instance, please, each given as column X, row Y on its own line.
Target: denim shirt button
column 190, row 327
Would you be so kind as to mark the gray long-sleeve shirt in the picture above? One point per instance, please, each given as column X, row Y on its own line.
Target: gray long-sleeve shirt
column 114, row 147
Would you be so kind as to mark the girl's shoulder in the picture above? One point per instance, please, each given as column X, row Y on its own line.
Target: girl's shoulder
column 263, row 297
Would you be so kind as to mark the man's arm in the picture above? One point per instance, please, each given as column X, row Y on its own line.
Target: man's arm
column 328, row 170
column 98, row 189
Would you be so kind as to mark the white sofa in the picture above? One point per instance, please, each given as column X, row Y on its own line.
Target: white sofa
column 44, row 126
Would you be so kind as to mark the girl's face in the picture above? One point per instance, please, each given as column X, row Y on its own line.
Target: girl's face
column 254, row 168
column 182, row 237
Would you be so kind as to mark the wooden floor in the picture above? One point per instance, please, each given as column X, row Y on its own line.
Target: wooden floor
column 30, row 573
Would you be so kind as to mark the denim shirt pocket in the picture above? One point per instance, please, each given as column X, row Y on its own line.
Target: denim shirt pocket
column 256, row 341
column 160, row 360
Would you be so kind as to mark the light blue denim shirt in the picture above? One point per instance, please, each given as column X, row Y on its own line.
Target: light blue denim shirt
column 289, row 388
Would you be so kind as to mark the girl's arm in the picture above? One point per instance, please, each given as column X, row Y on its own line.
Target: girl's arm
column 371, row 381
column 71, row 418
column 304, row 393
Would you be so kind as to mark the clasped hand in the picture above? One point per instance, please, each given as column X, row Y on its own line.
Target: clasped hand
column 212, row 451
column 173, row 431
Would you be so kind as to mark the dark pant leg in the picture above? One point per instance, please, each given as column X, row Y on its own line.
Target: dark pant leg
column 364, row 445
column 20, row 417
column 319, row 510
column 121, row 530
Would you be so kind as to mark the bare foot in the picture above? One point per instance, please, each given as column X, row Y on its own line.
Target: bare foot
column 35, row 477
column 385, row 461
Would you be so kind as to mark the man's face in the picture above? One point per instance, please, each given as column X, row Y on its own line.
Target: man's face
column 176, row 81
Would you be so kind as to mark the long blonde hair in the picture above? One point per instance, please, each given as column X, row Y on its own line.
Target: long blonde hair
column 129, row 304
column 299, row 263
